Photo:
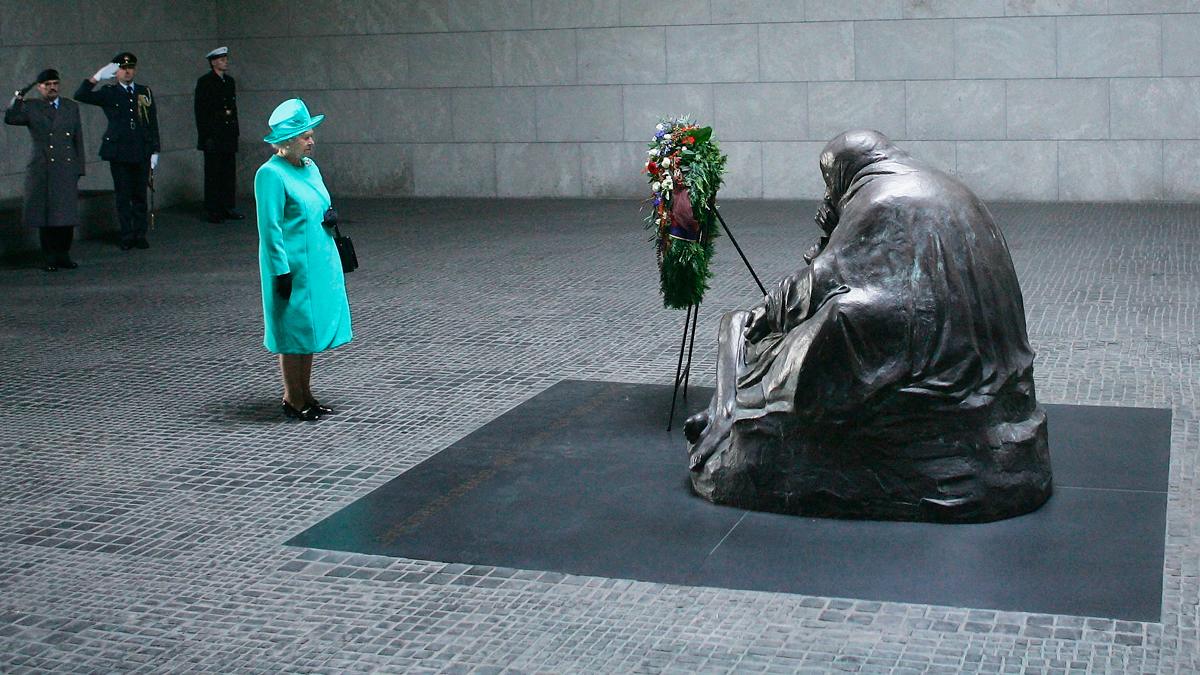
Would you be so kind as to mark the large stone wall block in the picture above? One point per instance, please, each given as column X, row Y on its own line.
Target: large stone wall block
column 1181, row 170
column 613, row 170
column 176, row 123
column 792, row 170
column 576, row 13
column 942, row 155
column 775, row 111
column 858, row 10
column 756, row 11
column 955, row 109
column 360, row 17
column 834, row 107
column 1181, row 45
column 1054, row 7
column 1110, row 171
column 794, row 52
column 1109, row 46
column 903, row 50
column 258, row 19
column 449, row 60
column 712, row 53
column 534, row 57
column 538, row 170
column 414, row 116
column 140, row 21
column 645, row 104
column 498, row 114
column 1010, row 169
column 579, row 114
column 1152, row 6
column 950, row 9
column 477, row 15
column 1012, row 47
column 1166, row 107
column 744, row 177
column 40, row 22
column 454, row 169
column 1061, row 109
column 380, row 61
column 275, row 64
column 664, row 12
column 622, row 55
column 346, row 174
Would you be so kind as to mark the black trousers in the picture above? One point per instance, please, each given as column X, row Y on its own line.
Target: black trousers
column 56, row 243
column 129, row 188
column 220, row 182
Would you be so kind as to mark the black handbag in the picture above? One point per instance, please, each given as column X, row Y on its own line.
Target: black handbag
column 345, row 245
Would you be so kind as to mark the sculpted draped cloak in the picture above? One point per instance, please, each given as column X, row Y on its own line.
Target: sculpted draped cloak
column 891, row 378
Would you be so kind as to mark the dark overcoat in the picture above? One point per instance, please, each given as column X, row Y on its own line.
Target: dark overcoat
column 132, row 133
column 55, row 164
column 216, row 113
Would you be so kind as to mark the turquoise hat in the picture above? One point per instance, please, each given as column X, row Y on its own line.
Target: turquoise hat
column 289, row 120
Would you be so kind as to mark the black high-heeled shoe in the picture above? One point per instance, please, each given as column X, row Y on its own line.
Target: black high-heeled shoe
column 320, row 408
column 308, row 414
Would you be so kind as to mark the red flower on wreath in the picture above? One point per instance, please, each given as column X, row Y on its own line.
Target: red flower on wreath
column 689, row 140
column 652, row 168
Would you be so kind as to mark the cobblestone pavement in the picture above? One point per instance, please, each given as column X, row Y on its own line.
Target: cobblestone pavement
column 148, row 480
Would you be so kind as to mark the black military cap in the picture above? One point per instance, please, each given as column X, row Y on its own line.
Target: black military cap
column 47, row 75
column 125, row 60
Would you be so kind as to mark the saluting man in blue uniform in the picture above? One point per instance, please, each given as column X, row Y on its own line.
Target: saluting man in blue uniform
column 130, row 143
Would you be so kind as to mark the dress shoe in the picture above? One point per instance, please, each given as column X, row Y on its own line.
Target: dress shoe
column 126, row 245
column 320, row 408
column 51, row 268
column 234, row 214
column 68, row 264
column 141, row 243
column 309, row 414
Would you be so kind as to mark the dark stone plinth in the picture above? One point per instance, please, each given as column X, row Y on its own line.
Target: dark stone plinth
column 583, row 479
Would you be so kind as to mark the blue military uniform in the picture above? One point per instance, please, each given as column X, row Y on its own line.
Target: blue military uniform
column 129, row 141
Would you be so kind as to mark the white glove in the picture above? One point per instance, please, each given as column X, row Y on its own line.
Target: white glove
column 154, row 161
column 106, row 72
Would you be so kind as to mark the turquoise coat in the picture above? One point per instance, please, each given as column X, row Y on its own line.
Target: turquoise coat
column 291, row 202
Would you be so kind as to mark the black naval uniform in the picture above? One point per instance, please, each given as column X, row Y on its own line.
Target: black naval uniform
column 129, row 140
column 217, row 138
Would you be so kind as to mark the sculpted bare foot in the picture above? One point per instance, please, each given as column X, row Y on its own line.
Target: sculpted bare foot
column 694, row 426
column 713, row 435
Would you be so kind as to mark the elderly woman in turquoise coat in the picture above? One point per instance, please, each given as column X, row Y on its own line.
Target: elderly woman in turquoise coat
column 305, row 310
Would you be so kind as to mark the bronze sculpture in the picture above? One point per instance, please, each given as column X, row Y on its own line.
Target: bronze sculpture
column 891, row 377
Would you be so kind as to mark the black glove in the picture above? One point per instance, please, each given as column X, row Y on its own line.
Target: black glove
column 26, row 88
column 283, row 285
column 331, row 217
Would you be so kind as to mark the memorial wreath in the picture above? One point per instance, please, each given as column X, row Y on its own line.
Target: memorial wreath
column 684, row 170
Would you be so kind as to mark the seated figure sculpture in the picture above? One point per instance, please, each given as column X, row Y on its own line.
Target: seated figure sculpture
column 891, row 377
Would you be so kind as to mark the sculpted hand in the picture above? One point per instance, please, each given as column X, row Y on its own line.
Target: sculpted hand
column 154, row 161
column 108, row 71
column 283, row 285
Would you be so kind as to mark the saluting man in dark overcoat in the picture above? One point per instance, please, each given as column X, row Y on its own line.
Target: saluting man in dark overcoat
column 217, row 137
column 55, row 165
column 130, row 143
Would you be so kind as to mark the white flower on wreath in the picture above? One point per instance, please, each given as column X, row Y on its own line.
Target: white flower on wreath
column 655, row 185
column 666, row 161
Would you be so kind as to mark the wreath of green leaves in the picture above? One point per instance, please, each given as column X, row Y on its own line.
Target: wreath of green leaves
column 683, row 154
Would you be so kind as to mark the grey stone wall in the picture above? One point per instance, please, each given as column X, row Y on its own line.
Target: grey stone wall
column 1025, row 99
column 77, row 38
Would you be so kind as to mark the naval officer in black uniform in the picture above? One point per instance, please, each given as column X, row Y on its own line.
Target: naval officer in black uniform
column 217, row 136
column 130, row 143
